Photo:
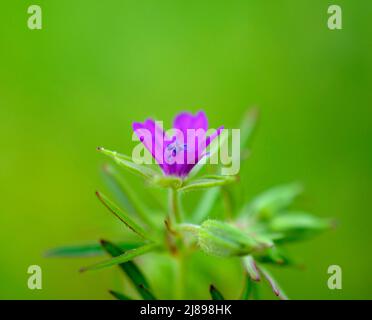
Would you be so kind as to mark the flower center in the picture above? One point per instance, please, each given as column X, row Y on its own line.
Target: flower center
column 174, row 148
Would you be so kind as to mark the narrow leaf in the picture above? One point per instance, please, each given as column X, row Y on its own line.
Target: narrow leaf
column 207, row 182
column 127, row 163
column 127, row 256
column 129, row 268
column 247, row 126
column 129, row 222
column 298, row 225
column 272, row 201
column 110, row 176
column 118, row 295
column 86, row 250
column 215, row 294
column 129, row 198
column 206, row 204
column 276, row 256
column 145, row 293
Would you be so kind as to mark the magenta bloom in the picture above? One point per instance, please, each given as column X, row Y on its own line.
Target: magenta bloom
column 177, row 153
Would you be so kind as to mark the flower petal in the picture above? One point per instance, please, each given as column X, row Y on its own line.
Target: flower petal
column 199, row 151
column 153, row 138
column 186, row 120
column 179, row 153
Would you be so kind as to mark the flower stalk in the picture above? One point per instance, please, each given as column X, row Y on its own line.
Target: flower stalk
column 174, row 206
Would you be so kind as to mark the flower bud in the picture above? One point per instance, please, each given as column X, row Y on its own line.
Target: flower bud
column 221, row 239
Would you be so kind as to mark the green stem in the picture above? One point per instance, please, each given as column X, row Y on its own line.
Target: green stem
column 175, row 212
column 255, row 291
column 227, row 203
column 174, row 205
column 181, row 281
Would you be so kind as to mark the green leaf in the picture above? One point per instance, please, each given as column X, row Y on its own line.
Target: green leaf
column 86, row 250
column 247, row 126
column 125, row 192
column 111, row 178
column 272, row 201
column 207, row 182
column 298, row 225
column 129, row 268
column 219, row 238
column 118, row 295
column 129, row 222
column 215, row 294
column 127, row 163
column 127, row 256
column 276, row 256
column 206, row 204
column 146, row 294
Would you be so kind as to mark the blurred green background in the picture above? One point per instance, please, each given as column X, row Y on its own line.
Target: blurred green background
column 96, row 66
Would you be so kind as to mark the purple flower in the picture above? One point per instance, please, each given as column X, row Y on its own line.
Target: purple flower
column 180, row 151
